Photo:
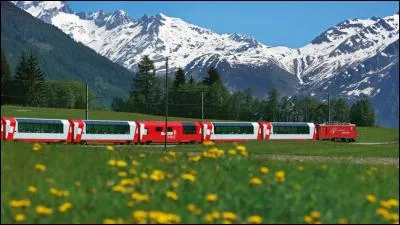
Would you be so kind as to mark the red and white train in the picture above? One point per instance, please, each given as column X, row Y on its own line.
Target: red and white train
column 147, row 132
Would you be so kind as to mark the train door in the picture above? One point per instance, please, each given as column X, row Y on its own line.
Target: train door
column 207, row 128
column 77, row 130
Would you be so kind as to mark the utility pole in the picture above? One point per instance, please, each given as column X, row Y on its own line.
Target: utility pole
column 202, row 106
column 329, row 102
column 87, row 102
column 166, row 103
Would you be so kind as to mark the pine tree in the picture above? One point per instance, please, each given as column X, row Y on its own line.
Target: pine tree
column 191, row 80
column 362, row 113
column 5, row 80
column 212, row 77
column 179, row 78
column 35, row 95
column 20, row 83
column 271, row 110
column 143, row 90
column 340, row 110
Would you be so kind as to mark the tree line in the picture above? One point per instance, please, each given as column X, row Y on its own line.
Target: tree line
column 185, row 97
column 28, row 87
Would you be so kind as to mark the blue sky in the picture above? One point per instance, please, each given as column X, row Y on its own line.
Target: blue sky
column 292, row 24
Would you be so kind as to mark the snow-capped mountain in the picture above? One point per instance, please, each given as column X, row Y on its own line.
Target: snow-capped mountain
column 351, row 57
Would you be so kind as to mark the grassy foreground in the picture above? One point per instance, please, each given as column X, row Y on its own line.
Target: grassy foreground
column 95, row 185
column 226, row 183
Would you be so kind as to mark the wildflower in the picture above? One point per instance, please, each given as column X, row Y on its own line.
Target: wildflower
column 324, row 167
column 126, row 182
column 109, row 221
column 215, row 215
column 315, row 215
column 20, row 217
column 42, row 210
column 211, row 197
column 32, row 189
column 394, row 216
column 77, row 183
column 208, row 143
column 308, row 219
column 175, row 184
column 122, row 174
column 140, row 197
column 110, row 148
column 229, row 216
column 135, row 163
column 255, row 219
column 226, row 222
column 112, row 162
column 208, row 218
column 189, row 177
column 40, row 167
column 194, row 158
column 393, row 202
column 245, row 154
column 255, row 181
column 121, row 163
column 36, row 147
column 142, row 155
column 371, row 198
column 24, row 203
column 130, row 204
column 119, row 188
column 172, row 154
column 65, row 207
column 382, row 212
column 157, row 175
column 280, row 176
column 264, row 170
column 343, row 221
column 385, row 204
column 139, row 215
column 172, row 195
column 241, row 148
column 232, row 152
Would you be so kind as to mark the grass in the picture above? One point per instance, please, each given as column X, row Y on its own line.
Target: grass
column 336, row 191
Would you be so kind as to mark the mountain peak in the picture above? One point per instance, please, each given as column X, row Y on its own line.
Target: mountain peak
column 116, row 19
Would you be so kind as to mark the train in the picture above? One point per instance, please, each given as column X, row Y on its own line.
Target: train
column 150, row 132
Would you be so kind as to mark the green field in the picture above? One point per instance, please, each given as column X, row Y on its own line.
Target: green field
column 98, row 191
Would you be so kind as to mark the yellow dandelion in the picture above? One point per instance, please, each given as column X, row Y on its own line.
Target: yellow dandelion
column 24, row 203
column 110, row 148
column 393, row 202
column 241, row 148
column 195, row 158
column 65, row 207
column 385, row 204
column 315, row 215
column 130, row 204
column 255, row 181
column 121, row 163
column 229, row 215
column 157, row 175
column 211, row 197
column 119, row 188
column 324, row 167
column 382, row 212
column 172, row 195
column 36, row 147
column 227, row 222
column 308, row 219
column 32, row 189
column 264, row 170
column 232, row 152
column 77, row 183
column 189, row 177
column 254, row 219
column 343, row 221
column 175, row 184
column 142, row 155
column 139, row 215
column 42, row 210
column 19, row 217
column 112, row 162
column 144, row 175
column 135, row 163
column 122, row 174
column 109, row 221
column 280, row 176
column 371, row 198
column 40, row 167
column 208, row 143
column 208, row 218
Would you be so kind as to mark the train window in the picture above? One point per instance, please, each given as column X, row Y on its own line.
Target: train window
column 158, row 129
column 189, row 129
column 232, row 128
column 291, row 129
column 169, row 129
column 35, row 127
column 107, row 129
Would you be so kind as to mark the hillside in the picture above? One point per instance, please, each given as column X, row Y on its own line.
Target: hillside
column 59, row 56
column 353, row 58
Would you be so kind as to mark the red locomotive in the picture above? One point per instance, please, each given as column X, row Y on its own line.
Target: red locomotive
column 146, row 132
